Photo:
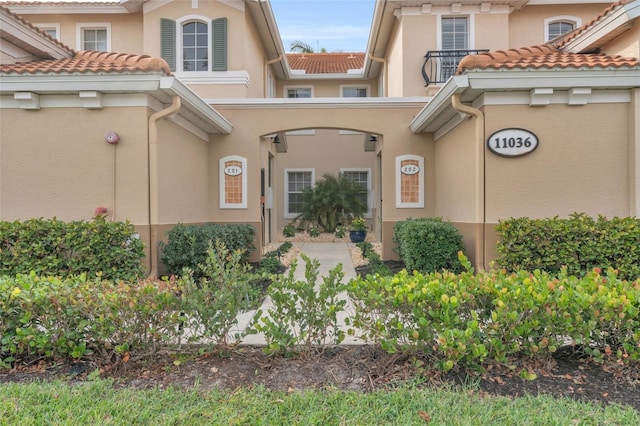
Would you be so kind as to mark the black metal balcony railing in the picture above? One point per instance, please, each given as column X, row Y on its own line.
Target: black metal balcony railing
column 439, row 65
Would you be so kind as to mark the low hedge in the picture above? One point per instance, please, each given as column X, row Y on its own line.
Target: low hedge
column 467, row 318
column 187, row 245
column 428, row 244
column 579, row 243
column 111, row 250
column 53, row 318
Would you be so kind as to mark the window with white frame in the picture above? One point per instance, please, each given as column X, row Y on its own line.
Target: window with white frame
column 194, row 43
column 294, row 92
column 295, row 182
column 354, row 91
column 52, row 30
column 560, row 25
column 94, row 36
column 363, row 178
column 454, row 36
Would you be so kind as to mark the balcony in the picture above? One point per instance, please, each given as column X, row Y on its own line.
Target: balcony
column 439, row 65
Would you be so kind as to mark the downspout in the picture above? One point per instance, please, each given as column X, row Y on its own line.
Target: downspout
column 266, row 71
column 480, row 211
column 386, row 74
column 154, row 216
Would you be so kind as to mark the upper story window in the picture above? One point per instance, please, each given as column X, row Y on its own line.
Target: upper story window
column 195, row 47
column 194, row 44
column 455, row 33
column 52, row 30
column 96, row 36
column 559, row 25
column 298, row 92
column 354, row 91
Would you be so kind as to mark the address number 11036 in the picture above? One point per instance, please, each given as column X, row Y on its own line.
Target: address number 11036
column 512, row 142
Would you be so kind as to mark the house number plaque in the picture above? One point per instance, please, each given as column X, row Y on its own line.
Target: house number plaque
column 233, row 170
column 512, row 142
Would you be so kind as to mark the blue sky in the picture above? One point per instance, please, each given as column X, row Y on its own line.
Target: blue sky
column 336, row 25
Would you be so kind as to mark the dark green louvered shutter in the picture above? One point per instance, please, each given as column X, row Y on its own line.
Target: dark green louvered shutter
column 168, row 42
column 219, row 43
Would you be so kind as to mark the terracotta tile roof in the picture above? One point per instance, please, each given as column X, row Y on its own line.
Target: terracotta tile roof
column 90, row 62
column 325, row 63
column 26, row 23
column 542, row 56
column 575, row 33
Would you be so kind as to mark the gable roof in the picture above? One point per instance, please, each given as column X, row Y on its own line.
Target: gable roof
column 325, row 63
column 91, row 62
column 563, row 40
column 542, row 56
column 23, row 34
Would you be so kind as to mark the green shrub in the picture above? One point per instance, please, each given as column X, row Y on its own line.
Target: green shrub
column 213, row 302
column 187, row 245
column 55, row 318
column 467, row 318
column 302, row 315
column 428, row 245
column 579, row 243
column 111, row 250
column 289, row 230
column 331, row 202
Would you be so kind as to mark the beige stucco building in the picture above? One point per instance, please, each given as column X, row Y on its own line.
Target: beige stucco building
column 170, row 112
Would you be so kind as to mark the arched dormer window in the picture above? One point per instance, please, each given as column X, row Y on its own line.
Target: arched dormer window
column 194, row 44
column 559, row 25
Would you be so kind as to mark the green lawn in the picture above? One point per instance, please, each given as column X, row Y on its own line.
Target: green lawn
column 99, row 403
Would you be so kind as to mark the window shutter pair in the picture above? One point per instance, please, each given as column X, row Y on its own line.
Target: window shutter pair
column 218, row 42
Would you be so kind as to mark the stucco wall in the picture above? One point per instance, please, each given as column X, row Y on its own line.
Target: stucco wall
column 581, row 164
column 526, row 26
column 126, row 29
column 63, row 167
column 627, row 44
column 185, row 187
column 455, row 174
column 394, row 62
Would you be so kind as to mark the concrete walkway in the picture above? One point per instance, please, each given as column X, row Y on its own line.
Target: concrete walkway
column 329, row 255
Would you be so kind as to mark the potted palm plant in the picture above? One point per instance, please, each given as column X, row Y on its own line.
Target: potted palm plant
column 358, row 231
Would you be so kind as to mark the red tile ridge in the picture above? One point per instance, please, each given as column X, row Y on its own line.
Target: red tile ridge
column 543, row 56
column 485, row 60
column 137, row 62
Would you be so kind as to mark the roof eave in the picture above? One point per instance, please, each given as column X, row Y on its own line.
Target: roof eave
column 617, row 22
column 196, row 105
column 267, row 28
column 471, row 84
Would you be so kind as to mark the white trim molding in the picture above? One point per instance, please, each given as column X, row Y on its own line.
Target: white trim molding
column 82, row 26
column 287, row 214
column 44, row 27
column 214, row 77
column 576, row 21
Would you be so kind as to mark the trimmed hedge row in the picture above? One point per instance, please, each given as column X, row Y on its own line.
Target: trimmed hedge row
column 428, row 244
column 74, row 317
column 98, row 247
column 579, row 243
column 467, row 318
column 187, row 245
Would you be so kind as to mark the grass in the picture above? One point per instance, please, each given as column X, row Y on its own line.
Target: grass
column 101, row 403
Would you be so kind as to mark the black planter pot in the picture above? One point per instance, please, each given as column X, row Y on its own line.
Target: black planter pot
column 357, row 236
